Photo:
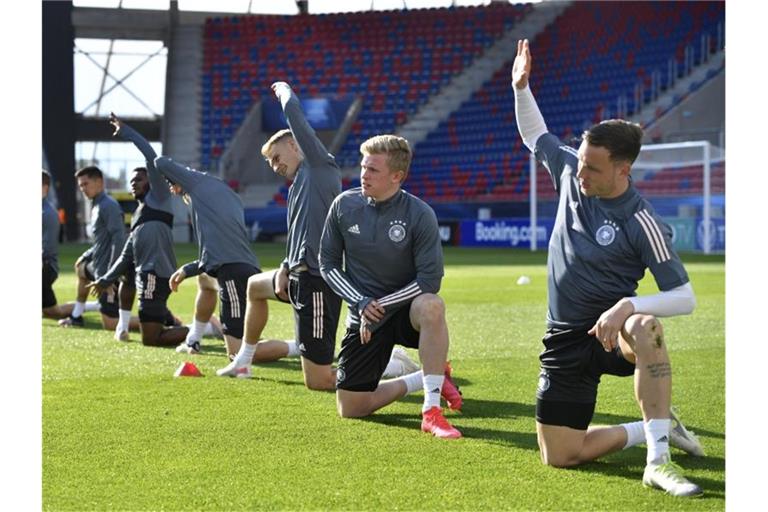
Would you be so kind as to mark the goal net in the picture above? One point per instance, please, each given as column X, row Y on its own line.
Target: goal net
column 684, row 181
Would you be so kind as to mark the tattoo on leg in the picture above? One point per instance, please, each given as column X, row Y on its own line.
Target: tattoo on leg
column 659, row 370
column 659, row 341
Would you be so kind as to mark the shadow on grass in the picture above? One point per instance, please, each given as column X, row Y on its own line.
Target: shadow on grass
column 629, row 464
column 624, row 464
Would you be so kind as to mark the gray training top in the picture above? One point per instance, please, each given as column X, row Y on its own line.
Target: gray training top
column 150, row 244
column 108, row 233
column 316, row 184
column 50, row 236
column 217, row 216
column 600, row 248
column 390, row 250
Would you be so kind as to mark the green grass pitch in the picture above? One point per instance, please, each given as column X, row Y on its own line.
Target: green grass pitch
column 120, row 432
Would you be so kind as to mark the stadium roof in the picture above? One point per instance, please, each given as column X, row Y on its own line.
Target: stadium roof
column 280, row 6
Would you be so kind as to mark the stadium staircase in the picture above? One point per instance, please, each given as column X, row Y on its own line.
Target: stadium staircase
column 185, row 59
column 461, row 87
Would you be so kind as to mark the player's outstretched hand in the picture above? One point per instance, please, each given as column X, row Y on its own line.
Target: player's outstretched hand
column 521, row 69
column 280, row 87
column 94, row 289
column 610, row 324
column 176, row 279
column 114, row 121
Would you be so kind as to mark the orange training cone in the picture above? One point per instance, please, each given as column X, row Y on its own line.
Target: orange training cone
column 187, row 369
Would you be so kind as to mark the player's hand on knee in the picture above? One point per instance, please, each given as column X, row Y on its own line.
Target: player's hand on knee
column 176, row 279
column 281, row 284
column 365, row 331
column 94, row 289
column 610, row 323
column 373, row 311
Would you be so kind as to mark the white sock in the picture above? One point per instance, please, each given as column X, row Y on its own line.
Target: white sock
column 91, row 306
column 293, row 348
column 78, row 309
column 394, row 368
column 657, row 439
column 245, row 355
column 413, row 382
column 208, row 331
column 635, row 433
column 124, row 322
column 433, row 384
column 196, row 331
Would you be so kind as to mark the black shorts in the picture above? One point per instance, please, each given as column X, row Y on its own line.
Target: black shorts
column 571, row 365
column 153, row 294
column 361, row 366
column 316, row 313
column 49, row 276
column 109, row 304
column 233, row 294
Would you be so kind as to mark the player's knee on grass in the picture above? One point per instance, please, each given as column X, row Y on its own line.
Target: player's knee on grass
column 428, row 309
column 644, row 333
column 108, row 322
column 150, row 333
column 54, row 312
column 352, row 404
column 319, row 377
column 559, row 448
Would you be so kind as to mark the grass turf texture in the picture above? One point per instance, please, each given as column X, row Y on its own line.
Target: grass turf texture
column 120, row 432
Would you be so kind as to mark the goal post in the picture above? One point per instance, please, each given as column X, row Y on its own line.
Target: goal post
column 684, row 181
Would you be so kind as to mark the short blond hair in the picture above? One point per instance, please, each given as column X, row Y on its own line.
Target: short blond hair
column 397, row 149
column 274, row 139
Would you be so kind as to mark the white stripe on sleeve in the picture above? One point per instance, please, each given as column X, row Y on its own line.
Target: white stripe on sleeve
column 406, row 293
column 344, row 285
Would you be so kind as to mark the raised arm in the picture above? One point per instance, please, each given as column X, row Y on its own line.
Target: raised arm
column 180, row 174
column 306, row 138
column 126, row 132
column 530, row 122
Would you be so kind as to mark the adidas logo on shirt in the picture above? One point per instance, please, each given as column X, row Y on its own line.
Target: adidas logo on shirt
column 354, row 229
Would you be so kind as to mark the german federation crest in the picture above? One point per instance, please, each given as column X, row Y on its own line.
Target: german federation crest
column 543, row 382
column 397, row 231
column 606, row 233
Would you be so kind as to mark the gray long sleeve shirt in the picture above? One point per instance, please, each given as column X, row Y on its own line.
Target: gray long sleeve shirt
column 217, row 216
column 389, row 251
column 50, row 236
column 316, row 184
column 151, row 242
column 108, row 233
